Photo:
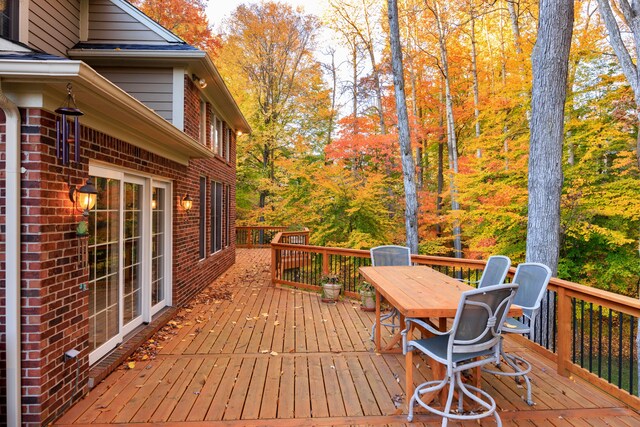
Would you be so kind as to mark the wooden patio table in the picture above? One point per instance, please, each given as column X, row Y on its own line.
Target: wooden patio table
column 420, row 292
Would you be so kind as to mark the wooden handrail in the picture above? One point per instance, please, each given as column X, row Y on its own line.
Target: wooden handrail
column 614, row 301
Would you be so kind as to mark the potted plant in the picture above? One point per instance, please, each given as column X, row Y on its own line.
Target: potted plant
column 367, row 296
column 331, row 287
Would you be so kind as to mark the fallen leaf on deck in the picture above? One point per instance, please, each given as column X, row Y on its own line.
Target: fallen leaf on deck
column 131, row 365
column 276, row 323
column 265, row 314
column 264, row 351
column 273, row 353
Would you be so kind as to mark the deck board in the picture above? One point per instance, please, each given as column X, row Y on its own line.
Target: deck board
column 281, row 357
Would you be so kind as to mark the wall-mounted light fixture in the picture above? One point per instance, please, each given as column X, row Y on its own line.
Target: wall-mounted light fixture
column 239, row 133
column 202, row 83
column 83, row 198
column 64, row 137
column 187, row 203
column 154, row 203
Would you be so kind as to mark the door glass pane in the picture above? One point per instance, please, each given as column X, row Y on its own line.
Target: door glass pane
column 132, row 259
column 157, row 246
column 104, row 223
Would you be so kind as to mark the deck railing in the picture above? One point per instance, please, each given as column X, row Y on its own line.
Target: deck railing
column 256, row 236
column 587, row 332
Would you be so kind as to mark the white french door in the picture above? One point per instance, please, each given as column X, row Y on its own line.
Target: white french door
column 129, row 256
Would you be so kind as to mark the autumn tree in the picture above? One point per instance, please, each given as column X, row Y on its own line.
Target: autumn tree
column 630, row 20
column 267, row 56
column 185, row 18
column 359, row 23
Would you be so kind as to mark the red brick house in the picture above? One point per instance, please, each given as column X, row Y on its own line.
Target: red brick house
column 159, row 124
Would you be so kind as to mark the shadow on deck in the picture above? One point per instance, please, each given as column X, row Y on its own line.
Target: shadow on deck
column 280, row 357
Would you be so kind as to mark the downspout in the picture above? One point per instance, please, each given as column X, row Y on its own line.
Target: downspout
column 13, row 259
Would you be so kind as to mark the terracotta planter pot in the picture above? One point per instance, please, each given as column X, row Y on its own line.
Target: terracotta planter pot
column 331, row 291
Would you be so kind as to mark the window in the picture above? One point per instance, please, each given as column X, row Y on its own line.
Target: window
column 228, row 143
column 203, row 123
column 219, row 136
column 9, row 19
column 203, row 220
column 216, row 216
column 227, row 221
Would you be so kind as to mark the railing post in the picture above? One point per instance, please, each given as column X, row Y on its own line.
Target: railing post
column 325, row 263
column 250, row 237
column 564, row 332
column 273, row 266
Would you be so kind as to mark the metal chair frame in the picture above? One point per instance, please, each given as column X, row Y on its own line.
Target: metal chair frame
column 521, row 367
column 393, row 313
column 495, row 271
column 467, row 347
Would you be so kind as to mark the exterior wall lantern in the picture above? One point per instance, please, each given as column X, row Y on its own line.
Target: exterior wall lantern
column 83, row 198
column 187, row 203
column 64, row 136
column 202, row 83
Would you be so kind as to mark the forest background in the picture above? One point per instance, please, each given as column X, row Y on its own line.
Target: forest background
column 324, row 150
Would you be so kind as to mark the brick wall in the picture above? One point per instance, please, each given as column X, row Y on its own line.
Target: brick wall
column 54, row 308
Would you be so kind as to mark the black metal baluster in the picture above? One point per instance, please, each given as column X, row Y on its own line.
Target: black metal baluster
column 582, row 334
column 575, row 329
column 610, row 355
column 590, row 337
column 620, row 334
column 631, row 364
column 600, row 341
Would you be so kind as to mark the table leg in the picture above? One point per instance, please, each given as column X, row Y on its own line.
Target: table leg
column 408, row 364
column 378, row 322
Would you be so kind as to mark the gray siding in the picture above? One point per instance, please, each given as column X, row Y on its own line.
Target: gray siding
column 151, row 86
column 54, row 25
column 110, row 24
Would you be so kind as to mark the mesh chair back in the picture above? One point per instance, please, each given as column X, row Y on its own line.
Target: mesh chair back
column 479, row 319
column 495, row 271
column 390, row 255
column 533, row 279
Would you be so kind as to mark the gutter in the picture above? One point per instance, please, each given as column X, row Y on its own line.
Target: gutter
column 13, row 260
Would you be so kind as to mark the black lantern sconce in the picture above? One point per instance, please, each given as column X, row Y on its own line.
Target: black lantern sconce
column 83, row 198
column 187, row 203
column 64, row 135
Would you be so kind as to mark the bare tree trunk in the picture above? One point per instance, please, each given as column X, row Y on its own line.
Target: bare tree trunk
column 354, row 77
column 452, row 142
column 408, row 165
column 334, row 87
column 440, row 177
column 474, row 73
column 550, row 64
column 514, row 25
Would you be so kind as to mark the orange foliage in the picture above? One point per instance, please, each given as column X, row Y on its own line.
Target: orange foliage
column 185, row 18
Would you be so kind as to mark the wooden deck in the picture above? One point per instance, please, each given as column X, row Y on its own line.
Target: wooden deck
column 279, row 357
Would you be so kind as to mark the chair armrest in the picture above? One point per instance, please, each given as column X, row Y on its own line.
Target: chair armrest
column 423, row 324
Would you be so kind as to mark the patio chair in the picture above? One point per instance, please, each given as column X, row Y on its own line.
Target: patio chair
column 532, row 279
column 494, row 271
column 472, row 341
column 388, row 255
